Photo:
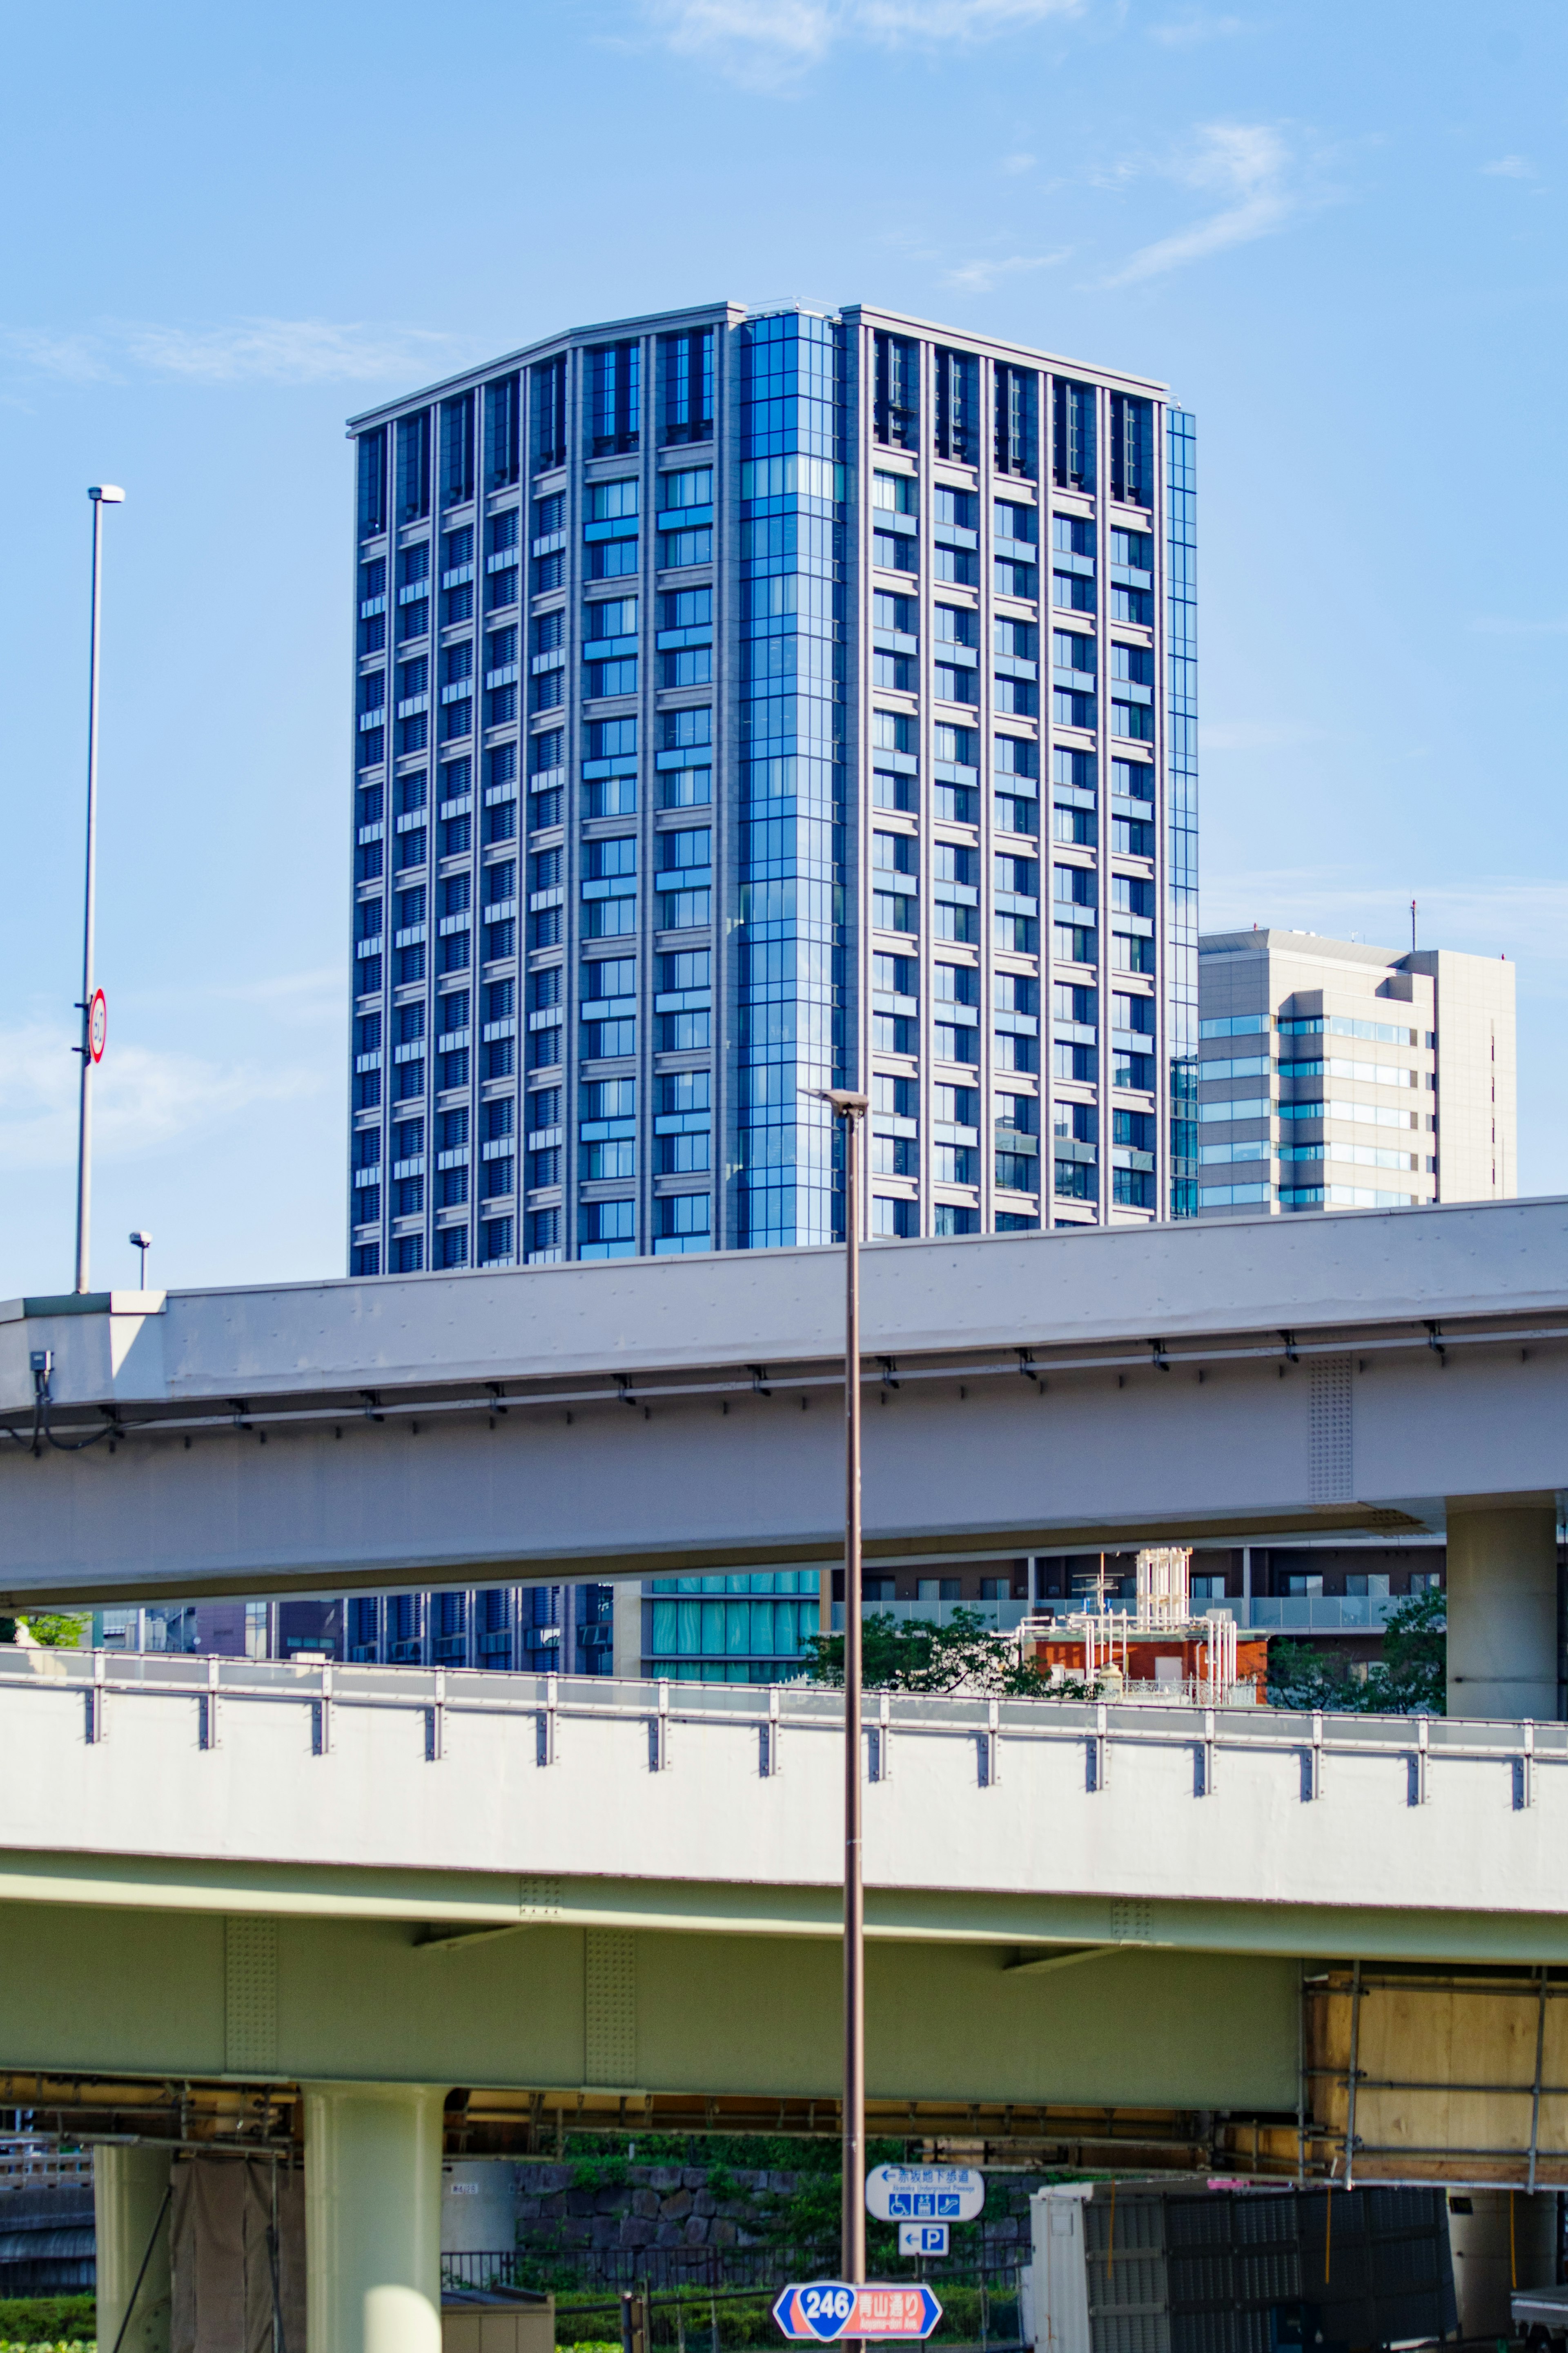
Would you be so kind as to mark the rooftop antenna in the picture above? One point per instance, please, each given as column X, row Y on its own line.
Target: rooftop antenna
column 1412, row 927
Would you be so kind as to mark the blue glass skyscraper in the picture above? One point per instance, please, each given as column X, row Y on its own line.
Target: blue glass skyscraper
column 746, row 702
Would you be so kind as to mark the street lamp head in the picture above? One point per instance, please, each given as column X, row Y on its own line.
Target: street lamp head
column 841, row 1102
column 107, row 494
column 139, row 1240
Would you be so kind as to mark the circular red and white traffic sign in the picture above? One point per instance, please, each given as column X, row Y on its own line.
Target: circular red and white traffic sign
column 98, row 1025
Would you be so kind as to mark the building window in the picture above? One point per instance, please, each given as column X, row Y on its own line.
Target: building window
column 1072, row 435
column 607, row 1228
column 495, row 1241
column 682, row 728
column 550, row 415
column 1133, row 1188
column 897, row 411
column 413, row 467
column 457, row 450
column 1017, row 420
column 686, row 386
column 372, row 482
column 1132, row 449
column 958, row 406
column 685, row 1223
column 503, row 403
column 615, row 372
column 899, row 1219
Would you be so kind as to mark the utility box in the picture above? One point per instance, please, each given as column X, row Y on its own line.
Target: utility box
column 486, row 2324
column 1153, row 2268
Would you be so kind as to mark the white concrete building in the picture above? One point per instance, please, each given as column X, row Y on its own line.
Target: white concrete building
column 1335, row 1075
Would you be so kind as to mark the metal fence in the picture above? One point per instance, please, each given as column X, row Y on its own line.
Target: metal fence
column 753, row 2271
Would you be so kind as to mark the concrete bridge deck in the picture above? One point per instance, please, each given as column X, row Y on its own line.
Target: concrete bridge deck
column 487, row 1802
column 656, row 1416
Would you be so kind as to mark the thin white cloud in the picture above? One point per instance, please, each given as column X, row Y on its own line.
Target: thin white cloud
column 271, row 351
column 762, row 40
column 980, row 277
column 1188, row 32
column 1014, row 165
column 143, row 1100
column 1248, row 165
column 1510, row 167
column 78, row 359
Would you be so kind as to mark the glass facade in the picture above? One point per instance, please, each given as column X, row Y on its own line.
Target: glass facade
column 747, row 703
column 1182, row 804
column 738, row 1630
column 790, row 934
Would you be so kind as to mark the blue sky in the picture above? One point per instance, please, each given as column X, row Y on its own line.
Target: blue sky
column 1336, row 231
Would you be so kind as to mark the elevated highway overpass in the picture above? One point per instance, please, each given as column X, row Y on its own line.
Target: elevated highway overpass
column 408, row 1908
column 380, row 1912
column 1375, row 1370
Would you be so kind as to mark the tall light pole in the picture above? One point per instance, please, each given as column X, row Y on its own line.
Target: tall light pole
column 851, row 1108
column 102, row 494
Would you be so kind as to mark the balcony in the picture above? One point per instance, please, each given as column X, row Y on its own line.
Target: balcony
column 1295, row 1615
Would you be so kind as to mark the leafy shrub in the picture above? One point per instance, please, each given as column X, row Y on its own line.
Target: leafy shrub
column 48, row 2320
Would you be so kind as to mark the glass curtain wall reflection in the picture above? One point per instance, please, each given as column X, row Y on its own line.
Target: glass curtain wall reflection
column 791, row 933
column 1182, row 804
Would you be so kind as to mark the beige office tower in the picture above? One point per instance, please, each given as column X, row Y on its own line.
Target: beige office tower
column 1332, row 1075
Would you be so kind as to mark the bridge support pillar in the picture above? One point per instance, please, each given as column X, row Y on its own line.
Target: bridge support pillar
column 373, row 2217
column 131, row 2212
column 1502, row 1608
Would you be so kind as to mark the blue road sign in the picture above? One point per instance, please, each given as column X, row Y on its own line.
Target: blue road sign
column 826, row 2311
column 925, row 2193
column 923, row 2238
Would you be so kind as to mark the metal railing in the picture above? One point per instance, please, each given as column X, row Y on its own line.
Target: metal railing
column 1305, row 1613
column 1313, row 1613
column 759, row 2270
column 998, row 1617
column 96, row 1686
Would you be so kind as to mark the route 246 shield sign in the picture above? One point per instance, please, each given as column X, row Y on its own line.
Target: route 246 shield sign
column 827, row 2310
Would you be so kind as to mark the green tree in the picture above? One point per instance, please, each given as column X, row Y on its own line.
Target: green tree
column 967, row 1654
column 1414, row 1678
column 1411, row 1679
column 920, row 1656
column 51, row 1630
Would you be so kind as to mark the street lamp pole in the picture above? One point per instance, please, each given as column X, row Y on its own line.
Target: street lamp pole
column 102, row 494
column 851, row 1108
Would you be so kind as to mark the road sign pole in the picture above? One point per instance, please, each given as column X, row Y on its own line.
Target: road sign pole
column 854, row 2150
column 102, row 495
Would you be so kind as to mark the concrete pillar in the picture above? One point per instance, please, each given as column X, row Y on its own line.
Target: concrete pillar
column 373, row 2217
column 1502, row 1608
column 130, row 2187
column 1500, row 2239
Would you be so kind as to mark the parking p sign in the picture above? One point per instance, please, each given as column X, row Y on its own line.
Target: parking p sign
column 925, row 2193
